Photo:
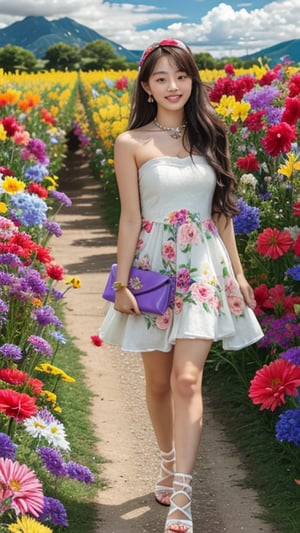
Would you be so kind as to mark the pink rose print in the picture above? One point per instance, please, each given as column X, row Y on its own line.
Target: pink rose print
column 231, row 287
column 203, row 292
column 147, row 226
column 210, row 226
column 183, row 280
column 163, row 321
column 178, row 305
column 188, row 234
column 236, row 305
column 169, row 250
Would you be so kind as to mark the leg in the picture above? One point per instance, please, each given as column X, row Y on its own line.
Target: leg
column 158, row 366
column 186, row 381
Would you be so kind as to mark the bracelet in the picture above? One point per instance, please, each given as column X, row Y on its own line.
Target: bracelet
column 118, row 285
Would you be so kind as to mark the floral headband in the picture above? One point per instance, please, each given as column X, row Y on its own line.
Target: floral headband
column 164, row 42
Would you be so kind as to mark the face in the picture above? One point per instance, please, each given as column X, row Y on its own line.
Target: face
column 169, row 87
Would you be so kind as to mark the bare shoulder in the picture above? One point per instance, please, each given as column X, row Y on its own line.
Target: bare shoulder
column 132, row 138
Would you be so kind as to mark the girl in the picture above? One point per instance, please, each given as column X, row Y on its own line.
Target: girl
column 177, row 201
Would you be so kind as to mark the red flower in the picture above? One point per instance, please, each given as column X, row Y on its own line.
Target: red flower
column 272, row 382
column 294, row 85
column 229, row 69
column 248, row 163
column 279, row 138
column 10, row 125
column 121, row 83
column 13, row 376
column 17, row 404
column 20, row 486
column 96, row 340
column 254, row 121
column 35, row 188
column 261, row 295
column 47, row 117
column 274, row 243
column 6, row 171
column 42, row 254
column 291, row 113
column 268, row 78
column 55, row 272
column 296, row 209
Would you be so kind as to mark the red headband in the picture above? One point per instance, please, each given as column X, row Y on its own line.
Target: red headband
column 164, row 42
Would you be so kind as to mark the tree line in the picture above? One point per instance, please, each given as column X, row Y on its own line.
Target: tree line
column 96, row 55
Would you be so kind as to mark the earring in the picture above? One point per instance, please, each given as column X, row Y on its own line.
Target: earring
column 150, row 99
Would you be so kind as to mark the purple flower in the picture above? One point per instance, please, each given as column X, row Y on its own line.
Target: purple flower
column 6, row 279
column 273, row 114
column 45, row 315
column 28, row 209
column 247, row 220
column 36, row 149
column 58, row 295
column 52, row 460
column 183, row 280
column 283, row 332
column 54, row 512
column 3, row 307
column 261, row 97
column 80, row 472
column 40, row 345
column 292, row 355
column 10, row 260
column 53, row 228
column 294, row 272
column 37, row 172
column 7, row 447
column 32, row 281
column 11, row 351
column 62, row 198
column 288, row 426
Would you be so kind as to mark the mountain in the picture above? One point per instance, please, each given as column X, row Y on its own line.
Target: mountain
column 37, row 34
column 278, row 51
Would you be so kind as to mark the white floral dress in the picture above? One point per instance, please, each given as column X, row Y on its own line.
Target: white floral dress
column 180, row 239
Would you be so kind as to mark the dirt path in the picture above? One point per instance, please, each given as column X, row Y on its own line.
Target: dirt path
column 119, row 415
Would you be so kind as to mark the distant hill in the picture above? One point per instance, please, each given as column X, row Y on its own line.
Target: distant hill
column 37, row 34
column 278, row 51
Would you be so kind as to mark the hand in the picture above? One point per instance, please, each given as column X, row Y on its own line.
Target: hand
column 125, row 302
column 246, row 291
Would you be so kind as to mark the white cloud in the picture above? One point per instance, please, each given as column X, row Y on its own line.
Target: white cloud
column 222, row 31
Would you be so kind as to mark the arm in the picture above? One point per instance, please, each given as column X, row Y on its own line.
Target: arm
column 130, row 220
column 226, row 231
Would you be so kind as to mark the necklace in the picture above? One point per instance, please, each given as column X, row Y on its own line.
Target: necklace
column 174, row 132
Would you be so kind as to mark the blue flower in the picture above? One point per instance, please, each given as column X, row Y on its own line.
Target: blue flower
column 54, row 512
column 247, row 219
column 80, row 472
column 36, row 172
column 7, row 447
column 288, row 426
column 28, row 209
column 294, row 272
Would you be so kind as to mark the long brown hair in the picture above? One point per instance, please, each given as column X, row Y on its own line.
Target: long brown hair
column 205, row 132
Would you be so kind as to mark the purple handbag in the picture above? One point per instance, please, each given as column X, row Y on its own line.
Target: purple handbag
column 154, row 292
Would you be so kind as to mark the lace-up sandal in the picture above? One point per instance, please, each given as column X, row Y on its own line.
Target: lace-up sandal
column 164, row 486
column 182, row 493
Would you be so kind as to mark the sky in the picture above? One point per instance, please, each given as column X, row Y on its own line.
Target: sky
column 219, row 28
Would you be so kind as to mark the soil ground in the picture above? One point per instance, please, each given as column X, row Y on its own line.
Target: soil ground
column 118, row 414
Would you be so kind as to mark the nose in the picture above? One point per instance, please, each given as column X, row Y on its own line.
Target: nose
column 172, row 86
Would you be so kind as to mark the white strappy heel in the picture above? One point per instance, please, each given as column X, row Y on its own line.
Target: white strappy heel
column 164, row 491
column 183, row 488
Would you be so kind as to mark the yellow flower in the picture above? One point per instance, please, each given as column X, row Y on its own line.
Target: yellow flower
column 240, row 111
column 3, row 207
column 50, row 396
column 72, row 280
column 3, row 133
column 12, row 185
column 26, row 524
column 54, row 370
column 291, row 164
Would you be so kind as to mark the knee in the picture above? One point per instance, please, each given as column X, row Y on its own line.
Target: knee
column 158, row 386
column 186, row 385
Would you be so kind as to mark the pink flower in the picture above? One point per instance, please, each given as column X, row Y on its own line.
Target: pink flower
column 203, row 292
column 21, row 136
column 178, row 305
column 236, row 305
column 169, row 250
column 210, row 226
column 20, row 484
column 163, row 321
column 188, row 234
column 140, row 244
column 144, row 262
column 147, row 225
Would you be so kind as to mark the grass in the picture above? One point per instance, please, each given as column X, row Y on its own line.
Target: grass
column 272, row 466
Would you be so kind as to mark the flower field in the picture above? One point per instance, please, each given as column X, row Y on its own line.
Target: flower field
column 261, row 108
